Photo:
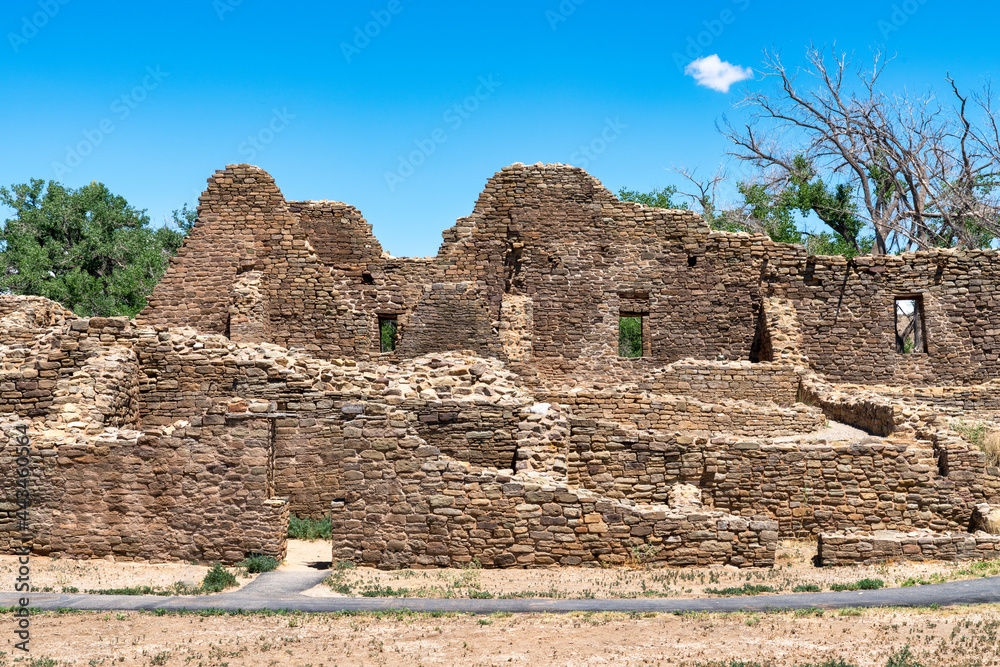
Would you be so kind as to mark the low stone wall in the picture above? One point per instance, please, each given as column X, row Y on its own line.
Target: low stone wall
column 808, row 488
column 406, row 505
column 678, row 413
column 867, row 412
column 715, row 381
column 865, row 549
column 200, row 493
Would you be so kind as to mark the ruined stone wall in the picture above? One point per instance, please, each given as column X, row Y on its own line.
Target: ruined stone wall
column 342, row 238
column 845, row 309
column 198, row 494
column 199, row 489
column 569, row 258
column 918, row 546
column 30, row 361
column 241, row 205
column 727, row 380
column 680, row 413
column 405, row 505
column 807, row 488
column 483, row 435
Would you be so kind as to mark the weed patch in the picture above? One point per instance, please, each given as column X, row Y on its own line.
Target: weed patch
column 859, row 585
column 745, row 589
column 310, row 529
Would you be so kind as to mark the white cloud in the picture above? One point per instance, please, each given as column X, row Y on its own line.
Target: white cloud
column 717, row 74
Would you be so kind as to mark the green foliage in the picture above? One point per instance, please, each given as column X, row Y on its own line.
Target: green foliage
column 745, row 589
column 88, row 249
column 387, row 329
column 310, row 529
column 974, row 433
column 630, row 336
column 835, row 205
column 184, row 219
column 806, row 588
column 255, row 563
column 218, row 579
column 376, row 591
column 655, row 198
column 903, row 658
column 859, row 585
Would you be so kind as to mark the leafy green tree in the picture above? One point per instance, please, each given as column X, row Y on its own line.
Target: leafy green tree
column 770, row 210
column 87, row 248
column 185, row 219
column 911, row 171
column 656, row 198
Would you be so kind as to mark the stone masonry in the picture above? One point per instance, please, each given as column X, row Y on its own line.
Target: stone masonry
column 502, row 425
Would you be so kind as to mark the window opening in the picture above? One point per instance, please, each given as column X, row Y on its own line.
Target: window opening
column 388, row 329
column 911, row 337
column 630, row 335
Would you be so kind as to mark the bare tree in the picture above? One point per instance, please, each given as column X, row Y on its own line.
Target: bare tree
column 917, row 172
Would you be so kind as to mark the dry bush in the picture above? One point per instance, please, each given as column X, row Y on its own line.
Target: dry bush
column 991, row 445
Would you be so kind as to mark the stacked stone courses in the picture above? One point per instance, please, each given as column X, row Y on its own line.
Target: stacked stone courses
column 502, row 426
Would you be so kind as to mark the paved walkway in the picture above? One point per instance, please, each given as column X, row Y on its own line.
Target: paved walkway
column 282, row 590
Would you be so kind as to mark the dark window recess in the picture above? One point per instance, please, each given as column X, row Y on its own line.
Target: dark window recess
column 388, row 329
column 911, row 335
column 366, row 278
column 630, row 335
column 692, row 260
column 809, row 274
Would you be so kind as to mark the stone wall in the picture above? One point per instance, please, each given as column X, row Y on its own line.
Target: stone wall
column 808, row 488
column 406, row 505
column 199, row 493
column 680, row 413
column 727, row 380
column 190, row 485
column 552, row 237
column 882, row 546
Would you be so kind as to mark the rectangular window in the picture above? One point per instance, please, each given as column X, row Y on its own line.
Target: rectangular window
column 911, row 336
column 387, row 331
column 630, row 335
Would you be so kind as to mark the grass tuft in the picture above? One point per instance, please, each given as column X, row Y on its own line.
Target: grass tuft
column 310, row 529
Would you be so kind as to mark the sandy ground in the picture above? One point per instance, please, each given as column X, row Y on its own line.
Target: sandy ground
column 793, row 568
column 961, row 637
column 62, row 575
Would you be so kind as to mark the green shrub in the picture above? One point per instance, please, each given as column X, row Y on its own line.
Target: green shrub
column 859, row 585
column 806, row 588
column 903, row 658
column 255, row 563
column 310, row 529
column 745, row 589
column 218, row 579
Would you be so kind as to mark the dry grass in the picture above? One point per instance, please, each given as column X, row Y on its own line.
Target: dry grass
column 956, row 637
column 991, row 445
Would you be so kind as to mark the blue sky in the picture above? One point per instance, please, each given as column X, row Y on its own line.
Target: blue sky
column 151, row 98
